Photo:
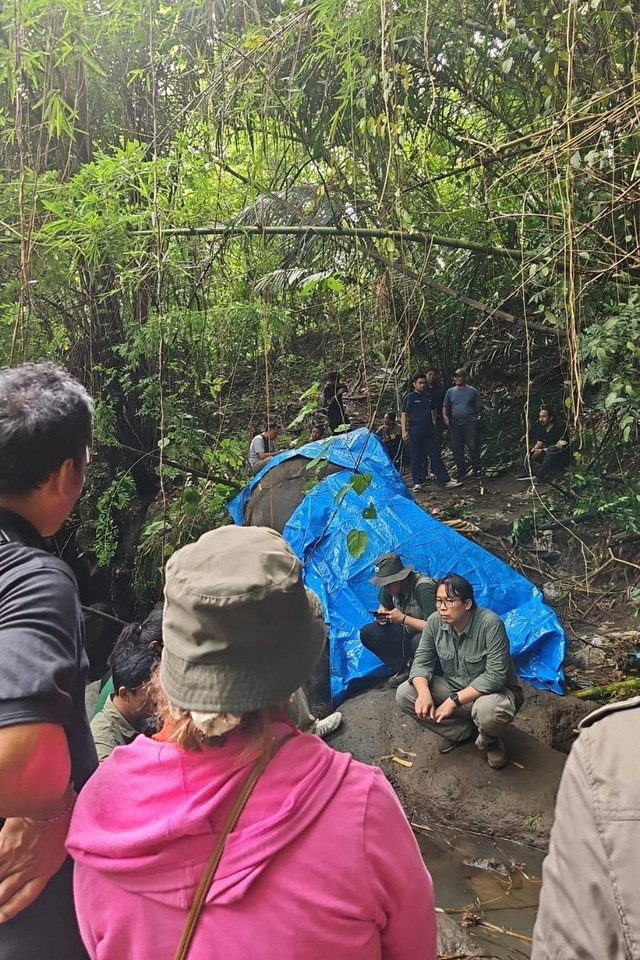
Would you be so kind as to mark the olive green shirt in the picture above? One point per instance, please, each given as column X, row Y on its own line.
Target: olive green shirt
column 110, row 730
column 478, row 657
column 418, row 597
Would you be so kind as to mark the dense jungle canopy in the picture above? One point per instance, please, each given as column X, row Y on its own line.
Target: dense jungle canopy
column 205, row 205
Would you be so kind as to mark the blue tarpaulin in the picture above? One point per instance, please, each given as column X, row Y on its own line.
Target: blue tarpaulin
column 317, row 532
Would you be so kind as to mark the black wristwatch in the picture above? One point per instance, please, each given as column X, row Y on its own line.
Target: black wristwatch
column 456, row 699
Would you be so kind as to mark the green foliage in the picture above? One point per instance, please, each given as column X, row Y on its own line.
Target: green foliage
column 357, row 541
column 611, row 352
column 115, row 499
column 486, row 123
column 616, row 502
column 192, row 510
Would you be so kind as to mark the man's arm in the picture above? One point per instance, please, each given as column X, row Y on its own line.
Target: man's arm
column 426, row 656
column 446, row 408
column 35, row 770
column 404, row 423
column 578, row 915
column 479, row 403
column 39, row 637
column 422, row 669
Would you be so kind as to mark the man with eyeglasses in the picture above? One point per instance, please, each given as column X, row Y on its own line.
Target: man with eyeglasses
column 479, row 692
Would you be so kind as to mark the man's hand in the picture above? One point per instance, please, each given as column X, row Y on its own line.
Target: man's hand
column 446, row 709
column 405, row 435
column 424, row 705
column 30, row 854
column 395, row 616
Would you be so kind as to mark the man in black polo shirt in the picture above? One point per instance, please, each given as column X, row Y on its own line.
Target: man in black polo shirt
column 46, row 748
column 419, row 429
column 548, row 448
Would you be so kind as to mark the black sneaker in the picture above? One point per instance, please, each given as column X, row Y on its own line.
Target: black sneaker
column 398, row 678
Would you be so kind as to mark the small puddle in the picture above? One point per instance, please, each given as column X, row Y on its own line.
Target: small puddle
column 494, row 880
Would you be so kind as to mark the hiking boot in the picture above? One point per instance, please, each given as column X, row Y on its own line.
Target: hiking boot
column 417, row 487
column 324, row 728
column 497, row 756
column 452, row 484
column 448, row 745
column 398, row 678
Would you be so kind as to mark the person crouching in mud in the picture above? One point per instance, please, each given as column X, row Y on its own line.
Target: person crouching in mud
column 479, row 692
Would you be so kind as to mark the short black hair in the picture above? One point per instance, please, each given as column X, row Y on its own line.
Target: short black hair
column 333, row 375
column 418, row 375
column 46, row 417
column 318, row 426
column 133, row 665
column 391, row 414
column 456, row 587
column 133, row 659
column 549, row 410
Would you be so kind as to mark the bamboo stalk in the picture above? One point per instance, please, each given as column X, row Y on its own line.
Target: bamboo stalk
column 302, row 229
column 602, row 691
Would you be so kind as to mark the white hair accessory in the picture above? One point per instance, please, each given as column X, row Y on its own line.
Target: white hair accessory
column 215, row 724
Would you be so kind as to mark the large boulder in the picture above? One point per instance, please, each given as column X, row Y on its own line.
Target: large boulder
column 281, row 490
column 458, row 789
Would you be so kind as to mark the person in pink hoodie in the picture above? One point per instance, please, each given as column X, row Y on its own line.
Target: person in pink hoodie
column 321, row 862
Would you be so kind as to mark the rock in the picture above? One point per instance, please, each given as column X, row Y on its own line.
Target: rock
column 458, row 789
column 91, row 694
column 281, row 491
column 551, row 719
column 553, row 593
column 453, row 940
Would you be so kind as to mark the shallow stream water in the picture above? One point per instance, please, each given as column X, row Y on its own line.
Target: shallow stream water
column 495, row 880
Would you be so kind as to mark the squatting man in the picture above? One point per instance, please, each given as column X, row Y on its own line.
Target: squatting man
column 478, row 692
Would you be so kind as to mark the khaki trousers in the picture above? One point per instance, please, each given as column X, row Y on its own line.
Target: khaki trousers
column 489, row 714
column 298, row 709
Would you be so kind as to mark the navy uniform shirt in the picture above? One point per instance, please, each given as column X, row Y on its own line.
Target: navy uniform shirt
column 417, row 406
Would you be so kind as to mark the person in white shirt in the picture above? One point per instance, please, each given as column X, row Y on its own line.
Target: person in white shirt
column 262, row 448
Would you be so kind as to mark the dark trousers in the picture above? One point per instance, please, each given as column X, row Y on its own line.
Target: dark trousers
column 553, row 459
column 391, row 643
column 422, row 444
column 465, row 435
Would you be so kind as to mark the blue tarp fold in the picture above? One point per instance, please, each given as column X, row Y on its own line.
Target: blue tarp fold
column 317, row 532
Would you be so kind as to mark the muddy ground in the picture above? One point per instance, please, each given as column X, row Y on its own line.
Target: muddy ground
column 459, row 789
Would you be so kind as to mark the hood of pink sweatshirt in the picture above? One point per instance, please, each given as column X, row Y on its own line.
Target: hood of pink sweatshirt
column 150, row 815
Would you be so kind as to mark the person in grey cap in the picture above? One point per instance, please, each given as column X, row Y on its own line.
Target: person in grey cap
column 232, row 834
column 460, row 410
column 406, row 600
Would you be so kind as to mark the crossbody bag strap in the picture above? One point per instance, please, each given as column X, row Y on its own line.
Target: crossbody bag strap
column 212, row 864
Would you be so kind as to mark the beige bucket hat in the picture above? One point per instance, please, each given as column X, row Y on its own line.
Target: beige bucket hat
column 241, row 631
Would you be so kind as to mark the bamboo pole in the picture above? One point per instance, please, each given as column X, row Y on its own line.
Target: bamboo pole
column 592, row 692
column 366, row 233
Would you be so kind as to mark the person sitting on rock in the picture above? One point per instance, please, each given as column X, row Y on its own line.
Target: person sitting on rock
column 406, row 601
column 479, row 692
column 263, row 447
column 390, row 435
column 127, row 712
column 548, row 448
